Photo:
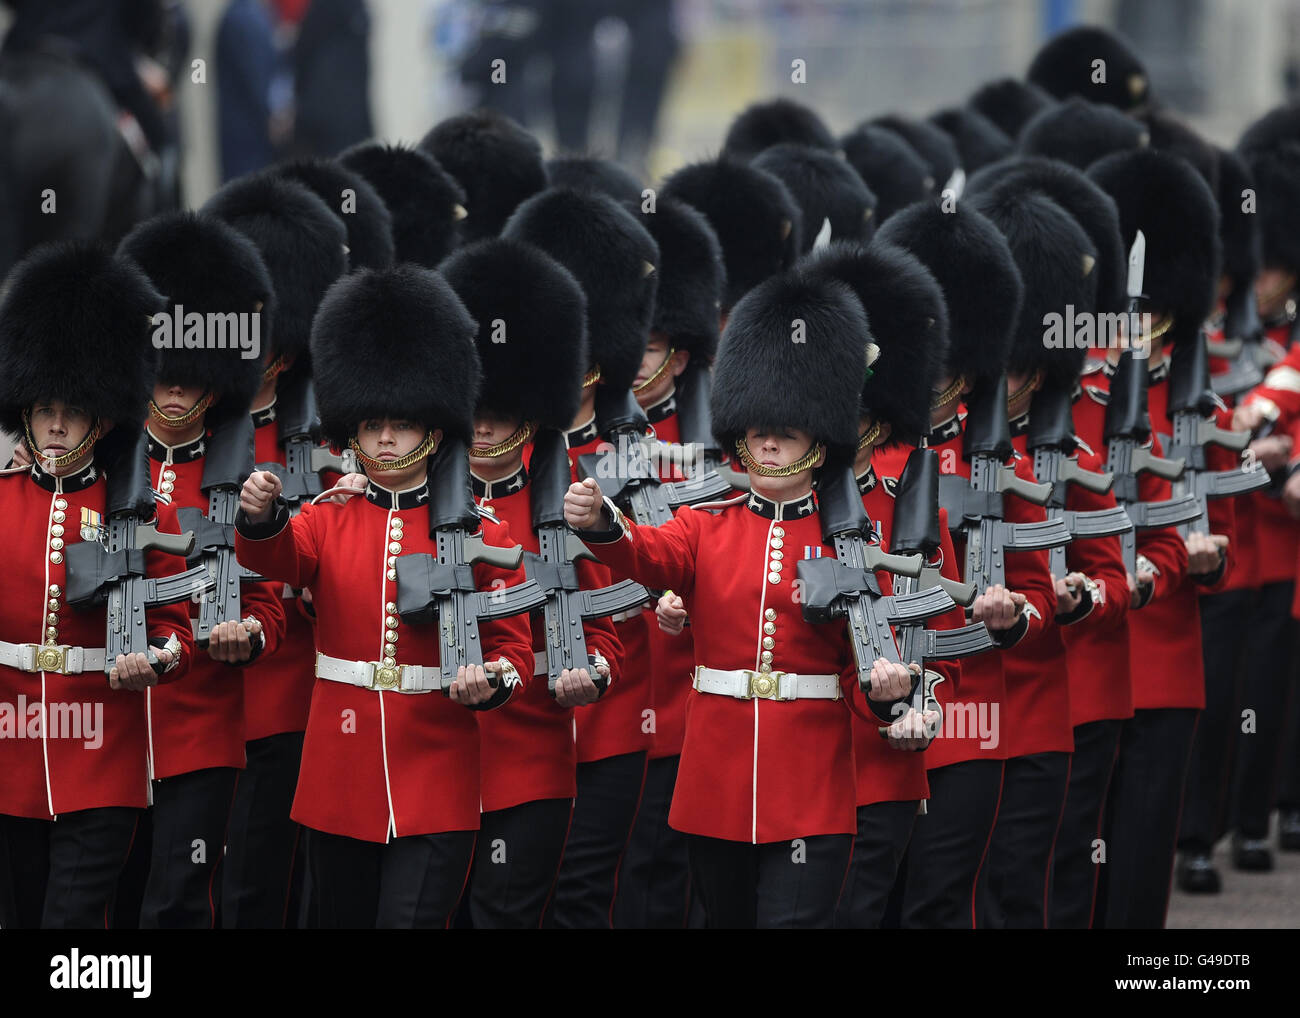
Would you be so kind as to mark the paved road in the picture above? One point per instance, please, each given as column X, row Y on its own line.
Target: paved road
column 1248, row 901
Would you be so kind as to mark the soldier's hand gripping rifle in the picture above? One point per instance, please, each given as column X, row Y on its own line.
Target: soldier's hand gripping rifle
column 975, row 505
column 305, row 459
column 915, row 530
column 113, row 574
column 1128, row 433
column 627, row 472
column 845, row 587
column 552, row 567
column 228, row 461
column 441, row 587
column 1191, row 408
column 1051, row 439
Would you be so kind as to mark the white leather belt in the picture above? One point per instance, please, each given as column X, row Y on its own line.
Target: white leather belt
column 746, row 685
column 629, row 614
column 374, row 675
column 64, row 660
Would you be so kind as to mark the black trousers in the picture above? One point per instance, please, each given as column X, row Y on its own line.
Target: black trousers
column 1228, row 625
column 654, row 882
column 1024, row 839
column 409, row 883
column 949, row 845
column 1142, row 818
column 1074, row 874
column 608, row 793
column 259, row 870
column 1288, row 788
column 191, row 813
column 516, row 862
column 777, row 885
column 884, row 829
column 1268, row 687
column 62, row 874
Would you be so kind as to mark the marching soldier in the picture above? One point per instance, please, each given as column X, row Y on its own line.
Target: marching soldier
column 76, row 369
column 532, row 344
column 982, row 287
column 389, row 783
column 768, row 845
column 196, row 730
column 303, row 246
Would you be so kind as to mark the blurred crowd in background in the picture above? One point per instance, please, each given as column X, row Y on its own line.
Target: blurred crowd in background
column 651, row 83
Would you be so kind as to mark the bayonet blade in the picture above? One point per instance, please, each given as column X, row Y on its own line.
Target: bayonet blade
column 1137, row 260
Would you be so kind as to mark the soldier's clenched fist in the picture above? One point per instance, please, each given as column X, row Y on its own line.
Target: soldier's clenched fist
column 889, row 681
column 258, row 495
column 583, row 506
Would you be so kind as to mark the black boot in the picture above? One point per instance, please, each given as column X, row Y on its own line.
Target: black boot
column 1251, row 854
column 1288, row 829
column 1197, row 875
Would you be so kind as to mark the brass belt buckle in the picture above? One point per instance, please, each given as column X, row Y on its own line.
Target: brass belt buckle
column 50, row 658
column 384, row 676
column 765, row 685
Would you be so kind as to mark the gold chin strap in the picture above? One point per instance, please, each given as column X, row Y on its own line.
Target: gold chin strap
column 48, row 463
column 522, row 434
column 402, row 462
column 1017, row 401
column 591, row 377
column 659, row 371
column 276, row 368
column 948, row 394
column 871, row 437
column 804, row 462
column 189, row 417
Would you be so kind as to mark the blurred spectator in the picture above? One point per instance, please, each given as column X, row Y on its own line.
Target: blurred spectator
column 331, row 67
column 246, row 65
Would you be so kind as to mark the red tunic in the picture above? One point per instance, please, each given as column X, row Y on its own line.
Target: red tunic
column 95, row 750
column 528, row 744
column 976, row 727
column 277, row 690
column 200, row 723
column 623, row 720
column 380, row 764
column 759, row 770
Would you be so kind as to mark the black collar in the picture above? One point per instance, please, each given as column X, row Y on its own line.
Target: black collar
column 1155, row 375
column 1019, row 425
column 770, row 510
column 264, row 416
column 949, row 429
column 581, row 436
column 73, row 482
column 662, row 410
column 187, row 453
column 411, row 498
column 867, row 481
column 501, row 487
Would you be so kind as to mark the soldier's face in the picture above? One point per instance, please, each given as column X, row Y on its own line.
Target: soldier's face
column 58, row 428
column 777, row 447
column 652, row 360
column 176, row 400
column 490, row 429
column 388, row 439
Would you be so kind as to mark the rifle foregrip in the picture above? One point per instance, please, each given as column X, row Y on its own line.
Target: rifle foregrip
column 899, row 565
column 1165, row 469
column 963, row 594
column 1011, row 482
column 493, row 555
column 147, row 538
column 1233, row 441
column 1096, row 483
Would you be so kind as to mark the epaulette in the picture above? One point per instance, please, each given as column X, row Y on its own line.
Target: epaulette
column 1097, row 394
column 891, row 486
column 1092, row 365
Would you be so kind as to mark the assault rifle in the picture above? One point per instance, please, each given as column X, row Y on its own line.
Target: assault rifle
column 305, row 459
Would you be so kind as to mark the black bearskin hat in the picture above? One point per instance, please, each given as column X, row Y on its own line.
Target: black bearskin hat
column 302, row 243
column 366, row 217
column 1163, row 196
column 206, row 267
column 927, row 141
column 496, row 161
column 691, row 278
column 587, row 173
column 825, row 187
column 1057, row 263
column 765, row 124
column 1010, row 103
column 613, row 258
column 394, row 343
column 890, row 167
column 979, row 141
column 1091, row 207
column 909, row 324
column 1079, row 133
column 1277, row 186
column 1278, row 125
column 75, row 325
column 1067, row 65
column 1238, row 229
column 424, row 200
column 1170, row 134
column 767, row 375
column 756, row 219
column 981, row 285
column 532, row 329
